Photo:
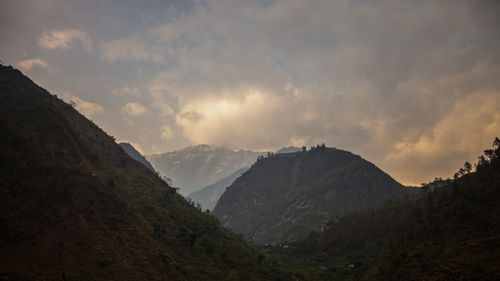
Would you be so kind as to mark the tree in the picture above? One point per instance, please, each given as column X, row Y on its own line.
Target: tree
column 496, row 147
column 495, row 152
column 468, row 167
column 490, row 154
column 496, row 143
column 167, row 180
column 482, row 161
column 461, row 172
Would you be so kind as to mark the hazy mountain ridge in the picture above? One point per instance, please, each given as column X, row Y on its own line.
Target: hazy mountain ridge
column 75, row 206
column 132, row 152
column 195, row 167
column 285, row 196
column 209, row 195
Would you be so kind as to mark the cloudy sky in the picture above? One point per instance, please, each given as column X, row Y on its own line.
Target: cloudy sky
column 413, row 86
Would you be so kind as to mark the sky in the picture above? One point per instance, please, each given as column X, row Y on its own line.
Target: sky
column 412, row 86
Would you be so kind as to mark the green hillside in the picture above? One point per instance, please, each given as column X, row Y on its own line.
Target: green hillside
column 285, row 196
column 449, row 233
column 75, row 206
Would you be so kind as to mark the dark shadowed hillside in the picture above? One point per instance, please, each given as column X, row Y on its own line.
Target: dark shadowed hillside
column 449, row 233
column 209, row 195
column 285, row 196
column 75, row 206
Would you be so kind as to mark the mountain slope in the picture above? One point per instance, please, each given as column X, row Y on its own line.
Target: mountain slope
column 285, row 196
column 132, row 152
column 75, row 206
column 449, row 233
column 210, row 194
column 195, row 167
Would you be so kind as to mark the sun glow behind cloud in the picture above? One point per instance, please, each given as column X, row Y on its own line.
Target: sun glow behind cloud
column 471, row 122
column 245, row 115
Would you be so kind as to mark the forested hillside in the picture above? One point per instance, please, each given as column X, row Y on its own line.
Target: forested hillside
column 449, row 233
column 285, row 196
column 75, row 206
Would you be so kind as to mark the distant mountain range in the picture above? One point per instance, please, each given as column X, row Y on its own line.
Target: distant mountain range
column 209, row 195
column 195, row 167
column 285, row 196
column 132, row 152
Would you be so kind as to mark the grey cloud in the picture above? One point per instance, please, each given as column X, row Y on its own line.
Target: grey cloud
column 192, row 116
column 131, row 48
column 27, row 65
column 385, row 79
column 373, row 74
column 63, row 39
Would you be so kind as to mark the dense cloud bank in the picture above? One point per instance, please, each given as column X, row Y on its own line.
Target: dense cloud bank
column 411, row 85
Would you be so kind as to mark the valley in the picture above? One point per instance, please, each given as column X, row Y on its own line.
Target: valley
column 233, row 140
column 76, row 205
